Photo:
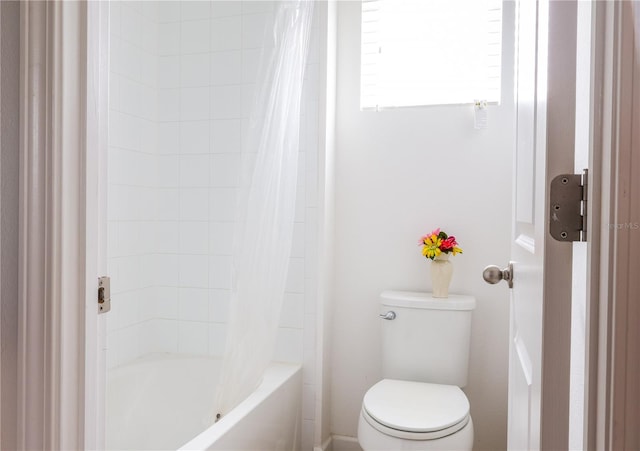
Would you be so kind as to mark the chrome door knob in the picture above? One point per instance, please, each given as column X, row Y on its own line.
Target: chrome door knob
column 492, row 274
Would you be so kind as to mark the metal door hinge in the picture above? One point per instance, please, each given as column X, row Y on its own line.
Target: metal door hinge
column 104, row 294
column 568, row 207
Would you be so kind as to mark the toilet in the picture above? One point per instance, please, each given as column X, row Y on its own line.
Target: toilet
column 419, row 405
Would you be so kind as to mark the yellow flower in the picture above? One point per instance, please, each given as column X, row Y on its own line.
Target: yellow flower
column 456, row 250
column 431, row 248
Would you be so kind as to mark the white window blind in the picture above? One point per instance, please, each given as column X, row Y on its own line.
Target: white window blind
column 430, row 52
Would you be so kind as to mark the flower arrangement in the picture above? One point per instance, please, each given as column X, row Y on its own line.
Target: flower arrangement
column 438, row 242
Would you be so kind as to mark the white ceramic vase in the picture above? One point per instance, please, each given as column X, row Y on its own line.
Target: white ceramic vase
column 441, row 272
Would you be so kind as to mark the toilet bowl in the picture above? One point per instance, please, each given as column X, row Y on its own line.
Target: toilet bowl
column 406, row 415
column 419, row 405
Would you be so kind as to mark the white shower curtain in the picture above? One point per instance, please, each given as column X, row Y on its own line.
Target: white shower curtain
column 264, row 227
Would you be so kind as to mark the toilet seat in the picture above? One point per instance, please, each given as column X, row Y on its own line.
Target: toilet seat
column 415, row 410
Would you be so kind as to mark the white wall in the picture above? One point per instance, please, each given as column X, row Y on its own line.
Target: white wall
column 399, row 174
column 181, row 91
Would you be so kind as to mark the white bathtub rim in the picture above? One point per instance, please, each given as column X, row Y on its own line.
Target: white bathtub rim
column 276, row 375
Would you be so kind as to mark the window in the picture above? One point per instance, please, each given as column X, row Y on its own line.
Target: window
column 430, row 52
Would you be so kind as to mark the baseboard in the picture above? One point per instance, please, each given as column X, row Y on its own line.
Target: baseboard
column 326, row 446
column 343, row 443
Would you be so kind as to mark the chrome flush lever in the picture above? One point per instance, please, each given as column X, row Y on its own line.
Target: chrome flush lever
column 388, row 316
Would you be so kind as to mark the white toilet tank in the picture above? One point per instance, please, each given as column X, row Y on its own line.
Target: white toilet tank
column 428, row 340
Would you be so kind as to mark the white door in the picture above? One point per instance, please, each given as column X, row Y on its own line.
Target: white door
column 541, row 293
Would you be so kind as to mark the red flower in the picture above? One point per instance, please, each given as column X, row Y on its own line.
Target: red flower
column 448, row 244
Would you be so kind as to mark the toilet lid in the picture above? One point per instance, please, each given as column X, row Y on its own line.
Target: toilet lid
column 416, row 406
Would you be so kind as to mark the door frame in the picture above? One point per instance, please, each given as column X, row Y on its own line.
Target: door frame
column 62, row 141
column 612, row 363
column 613, row 356
column 97, row 65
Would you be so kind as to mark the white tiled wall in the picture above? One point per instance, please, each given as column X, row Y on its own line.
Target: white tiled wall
column 182, row 86
column 133, row 169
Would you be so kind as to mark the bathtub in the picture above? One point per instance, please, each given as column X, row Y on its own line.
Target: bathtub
column 164, row 401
